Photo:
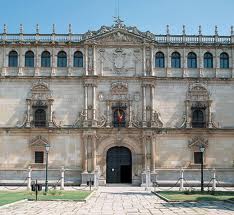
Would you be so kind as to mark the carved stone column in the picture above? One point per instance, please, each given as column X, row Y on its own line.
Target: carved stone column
column 50, row 114
column 200, row 63
column 53, row 69
column 152, row 105
column 86, row 60
column 37, row 66
column 94, row 121
column 28, row 113
column 94, row 152
column 85, row 154
column 153, row 154
column 216, row 64
column 152, row 59
column 144, row 61
column 4, row 69
column 130, row 115
column 144, row 105
column 184, row 63
column 94, row 60
column 232, row 60
column 168, row 62
column 70, row 61
column 108, row 123
column 209, row 114
column 20, row 62
column 144, row 153
column 187, row 107
column 85, row 105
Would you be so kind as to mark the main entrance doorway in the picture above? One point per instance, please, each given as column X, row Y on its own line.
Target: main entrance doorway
column 119, row 165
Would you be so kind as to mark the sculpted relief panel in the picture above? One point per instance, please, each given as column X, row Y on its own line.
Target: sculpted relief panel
column 119, row 61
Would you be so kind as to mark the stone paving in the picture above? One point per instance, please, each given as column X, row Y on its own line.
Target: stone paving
column 119, row 201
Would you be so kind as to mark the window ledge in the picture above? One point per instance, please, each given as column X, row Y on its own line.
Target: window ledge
column 38, row 165
column 196, row 165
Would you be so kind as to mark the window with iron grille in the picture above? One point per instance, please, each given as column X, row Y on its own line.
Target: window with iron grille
column 192, row 60
column 29, row 59
column 45, row 59
column 39, row 157
column 175, row 60
column 198, row 119
column 78, row 59
column 62, row 59
column 197, row 157
column 159, row 60
column 208, row 60
column 224, row 61
column 13, row 59
column 40, row 118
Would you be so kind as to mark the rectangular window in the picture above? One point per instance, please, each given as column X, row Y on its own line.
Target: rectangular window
column 197, row 157
column 39, row 157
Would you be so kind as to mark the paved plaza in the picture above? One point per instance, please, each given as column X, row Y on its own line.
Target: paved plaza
column 118, row 200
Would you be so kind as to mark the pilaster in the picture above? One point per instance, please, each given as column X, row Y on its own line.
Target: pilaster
column 144, row 124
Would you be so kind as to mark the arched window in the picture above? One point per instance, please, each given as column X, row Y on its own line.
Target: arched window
column 224, row 61
column 175, row 60
column 40, row 118
column 13, row 59
column 159, row 60
column 208, row 60
column 45, row 59
column 78, row 59
column 198, row 119
column 192, row 60
column 29, row 59
column 62, row 59
column 119, row 118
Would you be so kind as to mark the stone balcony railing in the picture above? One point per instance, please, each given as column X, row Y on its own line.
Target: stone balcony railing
column 161, row 39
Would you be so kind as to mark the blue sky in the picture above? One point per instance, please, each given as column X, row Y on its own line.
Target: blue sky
column 152, row 15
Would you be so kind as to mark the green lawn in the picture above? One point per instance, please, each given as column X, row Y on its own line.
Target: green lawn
column 197, row 196
column 11, row 196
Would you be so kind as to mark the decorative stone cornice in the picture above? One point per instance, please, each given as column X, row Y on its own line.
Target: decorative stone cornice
column 38, row 141
column 198, row 141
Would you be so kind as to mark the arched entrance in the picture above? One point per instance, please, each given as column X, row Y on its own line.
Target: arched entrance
column 119, row 165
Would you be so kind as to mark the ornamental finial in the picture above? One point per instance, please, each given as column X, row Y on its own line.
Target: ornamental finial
column 183, row 32
column 21, row 28
column 118, row 22
column 200, row 30
column 216, row 30
column 37, row 29
column 69, row 28
column 4, row 29
column 167, row 30
column 53, row 28
column 232, row 31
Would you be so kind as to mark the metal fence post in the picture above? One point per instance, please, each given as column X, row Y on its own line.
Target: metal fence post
column 181, row 179
column 62, row 178
column 29, row 178
column 214, row 180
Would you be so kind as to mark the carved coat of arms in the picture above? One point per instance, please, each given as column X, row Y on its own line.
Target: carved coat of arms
column 119, row 60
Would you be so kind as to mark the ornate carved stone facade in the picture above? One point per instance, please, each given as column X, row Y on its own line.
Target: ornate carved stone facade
column 107, row 89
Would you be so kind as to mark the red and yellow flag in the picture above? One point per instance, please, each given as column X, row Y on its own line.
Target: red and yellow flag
column 120, row 116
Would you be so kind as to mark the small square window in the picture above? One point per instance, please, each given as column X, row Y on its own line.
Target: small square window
column 197, row 157
column 39, row 157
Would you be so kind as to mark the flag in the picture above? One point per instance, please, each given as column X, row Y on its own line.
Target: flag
column 120, row 117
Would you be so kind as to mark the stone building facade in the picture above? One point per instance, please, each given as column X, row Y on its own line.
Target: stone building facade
column 117, row 100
